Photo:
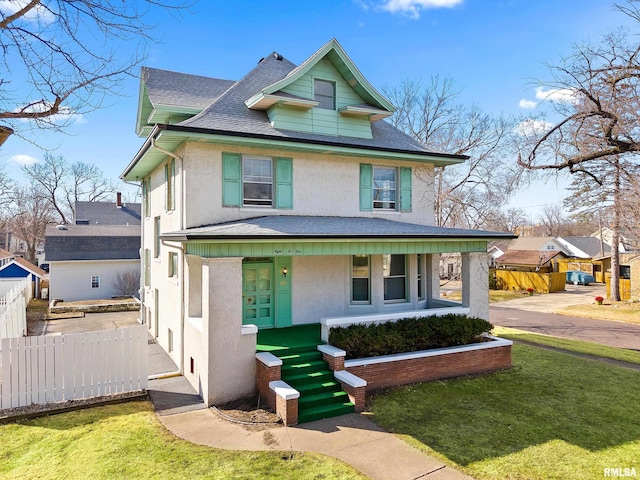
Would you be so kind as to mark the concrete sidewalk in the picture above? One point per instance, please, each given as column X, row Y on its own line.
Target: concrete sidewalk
column 351, row 438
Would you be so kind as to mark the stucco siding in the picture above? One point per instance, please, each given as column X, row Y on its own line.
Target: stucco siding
column 322, row 185
column 71, row 281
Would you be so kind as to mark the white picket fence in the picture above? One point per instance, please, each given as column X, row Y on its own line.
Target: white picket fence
column 13, row 307
column 47, row 369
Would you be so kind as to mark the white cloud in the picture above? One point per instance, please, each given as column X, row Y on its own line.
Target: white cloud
column 23, row 159
column 557, row 94
column 533, row 126
column 524, row 103
column 36, row 14
column 412, row 8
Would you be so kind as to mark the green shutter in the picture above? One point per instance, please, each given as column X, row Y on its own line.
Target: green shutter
column 284, row 183
column 405, row 189
column 231, row 180
column 366, row 190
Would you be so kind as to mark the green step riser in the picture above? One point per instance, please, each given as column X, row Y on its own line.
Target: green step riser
column 307, row 380
column 304, row 405
column 311, row 389
column 301, row 357
column 310, row 416
column 302, row 369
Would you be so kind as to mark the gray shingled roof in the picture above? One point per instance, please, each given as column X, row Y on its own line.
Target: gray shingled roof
column 228, row 113
column 589, row 245
column 93, row 242
column 181, row 89
column 292, row 226
column 108, row 213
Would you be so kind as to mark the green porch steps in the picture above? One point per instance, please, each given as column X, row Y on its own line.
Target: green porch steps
column 321, row 396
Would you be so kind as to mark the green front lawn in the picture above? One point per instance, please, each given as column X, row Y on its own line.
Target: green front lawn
column 551, row 416
column 128, row 442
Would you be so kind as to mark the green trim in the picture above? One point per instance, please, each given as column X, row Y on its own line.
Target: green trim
column 366, row 187
column 344, row 65
column 240, row 248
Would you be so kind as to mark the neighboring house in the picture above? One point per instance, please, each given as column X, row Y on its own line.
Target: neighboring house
column 282, row 199
column 530, row 260
column 5, row 257
column 86, row 259
column 10, row 242
column 606, row 234
column 20, row 268
column 107, row 213
column 494, row 252
column 539, row 244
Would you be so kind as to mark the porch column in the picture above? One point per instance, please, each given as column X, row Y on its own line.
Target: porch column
column 475, row 283
column 432, row 267
column 231, row 364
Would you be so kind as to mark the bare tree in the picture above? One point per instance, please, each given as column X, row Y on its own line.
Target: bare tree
column 599, row 126
column 64, row 56
column 509, row 220
column 127, row 282
column 62, row 184
column 29, row 213
column 553, row 220
column 465, row 194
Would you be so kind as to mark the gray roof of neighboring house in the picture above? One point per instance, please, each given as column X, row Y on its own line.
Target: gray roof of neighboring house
column 107, row 213
column 527, row 257
column 589, row 245
column 229, row 114
column 93, row 242
column 171, row 88
column 293, row 226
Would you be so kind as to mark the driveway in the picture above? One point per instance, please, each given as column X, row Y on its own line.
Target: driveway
column 534, row 314
column 550, row 302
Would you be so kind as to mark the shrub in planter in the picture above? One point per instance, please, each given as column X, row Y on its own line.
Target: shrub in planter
column 408, row 335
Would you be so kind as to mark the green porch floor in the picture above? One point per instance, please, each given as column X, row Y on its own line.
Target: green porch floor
column 278, row 339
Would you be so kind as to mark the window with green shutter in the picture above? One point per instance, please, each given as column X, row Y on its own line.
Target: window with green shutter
column 249, row 180
column 385, row 188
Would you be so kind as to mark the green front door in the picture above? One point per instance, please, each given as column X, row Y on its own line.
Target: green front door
column 257, row 294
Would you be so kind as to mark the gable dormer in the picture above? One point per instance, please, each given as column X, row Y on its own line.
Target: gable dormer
column 325, row 95
column 171, row 97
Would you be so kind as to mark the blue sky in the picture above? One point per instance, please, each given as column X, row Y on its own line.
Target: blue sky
column 494, row 49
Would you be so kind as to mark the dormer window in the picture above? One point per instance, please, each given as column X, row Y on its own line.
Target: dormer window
column 324, row 92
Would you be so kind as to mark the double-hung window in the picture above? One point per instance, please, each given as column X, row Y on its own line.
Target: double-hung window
column 170, row 187
column 95, row 281
column 257, row 181
column 360, row 279
column 324, row 92
column 385, row 188
column 173, row 264
column 394, row 272
column 156, row 237
column 146, row 192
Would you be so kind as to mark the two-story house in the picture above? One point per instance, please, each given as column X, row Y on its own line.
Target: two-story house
column 282, row 199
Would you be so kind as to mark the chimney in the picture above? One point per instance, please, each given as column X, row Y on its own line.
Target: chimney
column 119, row 200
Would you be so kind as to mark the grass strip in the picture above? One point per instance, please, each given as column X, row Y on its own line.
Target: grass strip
column 577, row 346
column 551, row 416
column 127, row 441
